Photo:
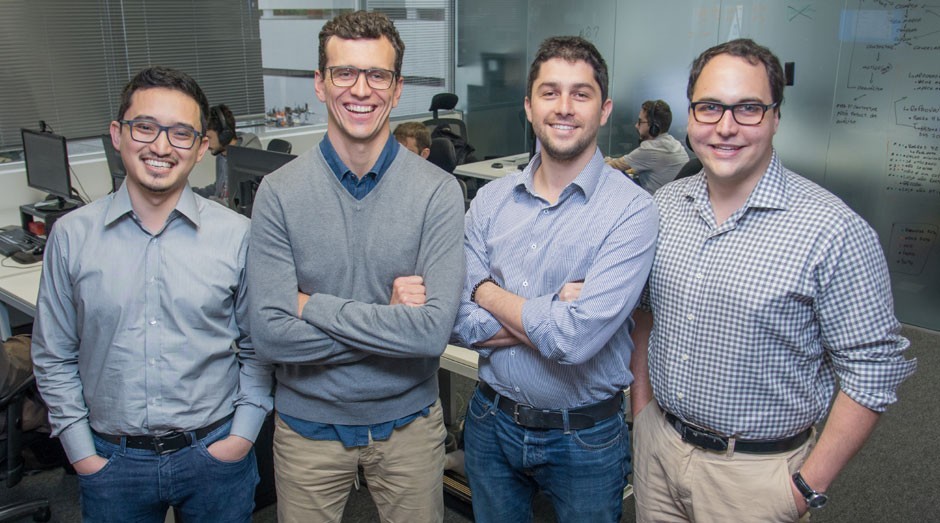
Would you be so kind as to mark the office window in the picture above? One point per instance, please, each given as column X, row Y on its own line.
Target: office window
column 426, row 27
column 66, row 62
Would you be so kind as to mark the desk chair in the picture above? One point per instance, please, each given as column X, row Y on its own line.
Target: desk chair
column 443, row 155
column 280, row 146
column 446, row 101
column 11, row 406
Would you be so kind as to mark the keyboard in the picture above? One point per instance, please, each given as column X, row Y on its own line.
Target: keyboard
column 14, row 239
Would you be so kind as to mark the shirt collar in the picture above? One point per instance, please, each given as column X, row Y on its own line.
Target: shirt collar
column 121, row 205
column 769, row 193
column 587, row 180
column 384, row 161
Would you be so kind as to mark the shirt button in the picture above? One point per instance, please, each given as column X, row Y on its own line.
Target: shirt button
column 533, row 246
column 690, row 317
column 515, row 389
column 545, row 211
column 153, row 361
column 525, row 283
column 512, row 352
column 685, row 357
column 699, row 276
column 153, row 322
column 680, row 395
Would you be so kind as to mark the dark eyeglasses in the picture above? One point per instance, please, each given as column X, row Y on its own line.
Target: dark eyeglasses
column 147, row 131
column 744, row 114
column 638, row 122
column 347, row 76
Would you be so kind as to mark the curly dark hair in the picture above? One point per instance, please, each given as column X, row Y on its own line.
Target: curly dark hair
column 571, row 49
column 362, row 25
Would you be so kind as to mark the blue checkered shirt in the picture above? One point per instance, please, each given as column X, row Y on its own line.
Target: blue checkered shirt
column 602, row 230
column 754, row 319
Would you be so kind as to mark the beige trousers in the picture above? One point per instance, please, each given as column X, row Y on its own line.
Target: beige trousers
column 404, row 473
column 676, row 481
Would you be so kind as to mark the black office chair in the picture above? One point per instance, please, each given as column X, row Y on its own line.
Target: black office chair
column 693, row 166
column 443, row 155
column 280, row 146
column 11, row 406
column 446, row 101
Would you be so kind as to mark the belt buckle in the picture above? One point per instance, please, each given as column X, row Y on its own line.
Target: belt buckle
column 704, row 439
column 168, row 444
column 515, row 412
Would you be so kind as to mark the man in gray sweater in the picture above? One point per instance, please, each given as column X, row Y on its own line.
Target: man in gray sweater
column 355, row 271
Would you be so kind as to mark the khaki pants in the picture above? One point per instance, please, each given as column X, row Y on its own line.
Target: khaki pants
column 677, row 481
column 404, row 473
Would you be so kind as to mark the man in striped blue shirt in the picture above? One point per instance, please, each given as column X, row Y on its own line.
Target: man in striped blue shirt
column 556, row 256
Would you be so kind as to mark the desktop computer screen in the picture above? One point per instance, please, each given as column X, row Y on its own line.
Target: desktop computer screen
column 246, row 168
column 47, row 166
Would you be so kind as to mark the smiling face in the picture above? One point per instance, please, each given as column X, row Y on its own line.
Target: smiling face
column 731, row 153
column 358, row 114
column 566, row 110
column 158, row 168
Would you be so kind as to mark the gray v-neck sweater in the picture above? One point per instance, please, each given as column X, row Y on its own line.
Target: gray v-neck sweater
column 352, row 358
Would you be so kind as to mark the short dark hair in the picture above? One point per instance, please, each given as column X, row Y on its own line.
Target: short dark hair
column 359, row 25
column 571, row 49
column 167, row 78
column 754, row 54
column 658, row 112
column 213, row 123
column 416, row 130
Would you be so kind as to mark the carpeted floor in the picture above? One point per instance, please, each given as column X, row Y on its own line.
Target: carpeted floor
column 895, row 478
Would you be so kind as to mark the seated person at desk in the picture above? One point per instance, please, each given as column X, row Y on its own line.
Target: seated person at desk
column 415, row 137
column 220, row 130
column 15, row 366
column 660, row 156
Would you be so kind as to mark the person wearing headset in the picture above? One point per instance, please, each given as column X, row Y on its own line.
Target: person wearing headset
column 660, row 156
column 220, row 130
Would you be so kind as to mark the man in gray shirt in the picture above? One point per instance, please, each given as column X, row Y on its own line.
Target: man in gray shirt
column 140, row 346
column 355, row 270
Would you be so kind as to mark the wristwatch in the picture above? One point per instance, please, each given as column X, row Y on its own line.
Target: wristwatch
column 814, row 500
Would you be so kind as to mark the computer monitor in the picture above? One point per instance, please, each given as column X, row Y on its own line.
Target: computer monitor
column 246, row 168
column 47, row 167
column 115, row 163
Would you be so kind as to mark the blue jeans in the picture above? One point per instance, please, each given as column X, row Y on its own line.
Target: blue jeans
column 140, row 485
column 583, row 472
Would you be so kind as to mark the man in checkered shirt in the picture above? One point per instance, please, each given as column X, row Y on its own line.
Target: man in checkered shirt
column 766, row 292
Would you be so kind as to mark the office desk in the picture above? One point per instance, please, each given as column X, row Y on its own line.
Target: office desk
column 21, row 290
column 19, row 286
column 455, row 360
column 485, row 171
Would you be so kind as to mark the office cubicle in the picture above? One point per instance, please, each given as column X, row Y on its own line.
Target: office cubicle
column 862, row 118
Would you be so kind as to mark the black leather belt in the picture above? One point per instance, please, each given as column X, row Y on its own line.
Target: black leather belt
column 535, row 418
column 711, row 441
column 166, row 443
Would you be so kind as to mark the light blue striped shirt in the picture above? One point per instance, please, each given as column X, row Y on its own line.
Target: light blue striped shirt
column 134, row 331
column 602, row 230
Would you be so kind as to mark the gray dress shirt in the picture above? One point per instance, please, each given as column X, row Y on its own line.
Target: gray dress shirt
column 144, row 334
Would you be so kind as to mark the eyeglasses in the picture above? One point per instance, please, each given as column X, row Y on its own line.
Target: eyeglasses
column 744, row 114
column 147, row 131
column 347, row 76
column 638, row 122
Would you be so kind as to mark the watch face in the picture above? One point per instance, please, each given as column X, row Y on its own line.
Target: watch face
column 817, row 501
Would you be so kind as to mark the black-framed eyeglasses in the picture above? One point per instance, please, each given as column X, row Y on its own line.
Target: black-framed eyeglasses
column 638, row 122
column 147, row 131
column 748, row 113
column 347, row 76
